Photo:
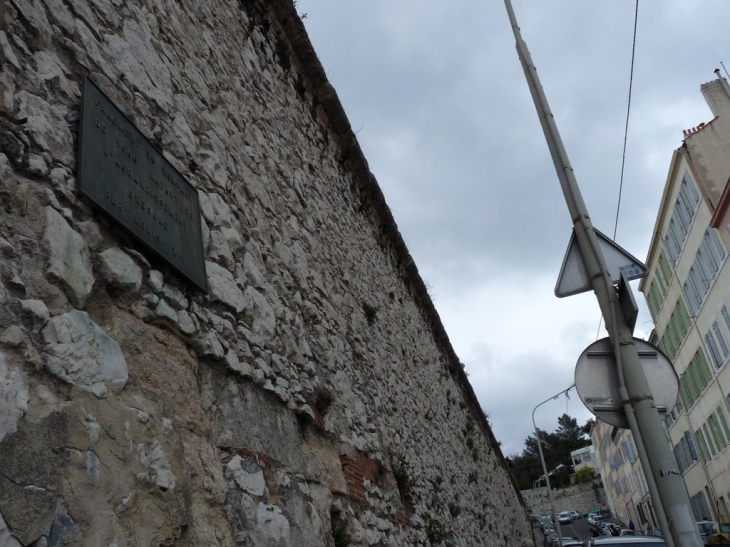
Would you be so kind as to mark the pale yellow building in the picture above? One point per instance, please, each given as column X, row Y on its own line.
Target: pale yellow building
column 584, row 457
column 622, row 475
column 688, row 293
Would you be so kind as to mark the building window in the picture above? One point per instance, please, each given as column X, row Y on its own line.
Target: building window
column 684, row 392
column 721, row 415
column 699, row 506
column 658, row 287
column 713, row 350
column 628, row 449
column 717, row 344
column 712, row 244
column 654, row 299
column 676, row 329
column 694, row 379
column 680, row 456
column 640, row 479
column 684, row 452
column 692, row 290
column 725, row 315
column 699, row 437
column 717, row 435
column 720, row 338
column 665, row 268
column 684, row 209
column 673, row 241
column 703, row 271
column 690, row 445
column 708, row 439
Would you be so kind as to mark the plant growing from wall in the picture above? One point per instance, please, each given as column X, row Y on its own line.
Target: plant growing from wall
column 370, row 311
column 322, row 399
column 436, row 491
column 454, row 509
column 404, row 479
column 436, row 531
column 596, row 491
column 469, row 427
column 340, row 533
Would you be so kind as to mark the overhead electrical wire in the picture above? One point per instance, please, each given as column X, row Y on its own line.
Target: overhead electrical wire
column 626, row 134
column 628, row 113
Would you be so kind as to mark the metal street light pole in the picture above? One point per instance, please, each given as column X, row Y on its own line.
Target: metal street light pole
column 542, row 460
column 663, row 478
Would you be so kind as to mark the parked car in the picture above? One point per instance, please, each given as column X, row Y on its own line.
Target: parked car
column 626, row 541
column 549, row 537
column 722, row 536
column 594, row 519
column 706, row 528
column 564, row 517
column 594, row 511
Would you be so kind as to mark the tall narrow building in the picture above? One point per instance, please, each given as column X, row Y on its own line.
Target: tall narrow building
column 688, row 294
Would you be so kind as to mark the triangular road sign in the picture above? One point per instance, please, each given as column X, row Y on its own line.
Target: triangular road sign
column 573, row 278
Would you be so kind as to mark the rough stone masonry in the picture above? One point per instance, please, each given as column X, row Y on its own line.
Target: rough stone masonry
column 310, row 398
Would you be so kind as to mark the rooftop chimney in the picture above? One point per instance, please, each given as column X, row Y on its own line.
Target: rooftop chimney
column 717, row 95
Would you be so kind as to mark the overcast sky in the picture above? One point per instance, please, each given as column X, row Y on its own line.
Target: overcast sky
column 438, row 99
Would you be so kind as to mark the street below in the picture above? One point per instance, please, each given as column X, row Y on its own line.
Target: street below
column 578, row 529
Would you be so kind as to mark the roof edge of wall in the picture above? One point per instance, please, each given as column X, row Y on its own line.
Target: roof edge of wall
column 326, row 96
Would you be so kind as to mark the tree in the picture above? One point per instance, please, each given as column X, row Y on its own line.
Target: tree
column 568, row 429
column 524, row 468
column 584, row 474
column 557, row 446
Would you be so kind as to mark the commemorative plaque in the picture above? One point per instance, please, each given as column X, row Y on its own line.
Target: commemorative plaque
column 124, row 175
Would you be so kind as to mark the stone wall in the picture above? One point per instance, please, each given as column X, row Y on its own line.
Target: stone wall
column 310, row 398
column 581, row 498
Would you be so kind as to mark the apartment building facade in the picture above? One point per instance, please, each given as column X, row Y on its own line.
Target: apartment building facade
column 584, row 457
column 688, row 294
column 622, row 475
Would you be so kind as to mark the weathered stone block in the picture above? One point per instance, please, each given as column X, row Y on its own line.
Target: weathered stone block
column 242, row 416
column 120, row 271
column 14, row 398
column 223, row 288
column 68, row 258
column 80, row 353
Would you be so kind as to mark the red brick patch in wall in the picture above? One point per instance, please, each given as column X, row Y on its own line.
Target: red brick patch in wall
column 245, row 452
column 402, row 518
column 371, row 470
column 359, row 469
column 356, row 471
column 354, row 479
